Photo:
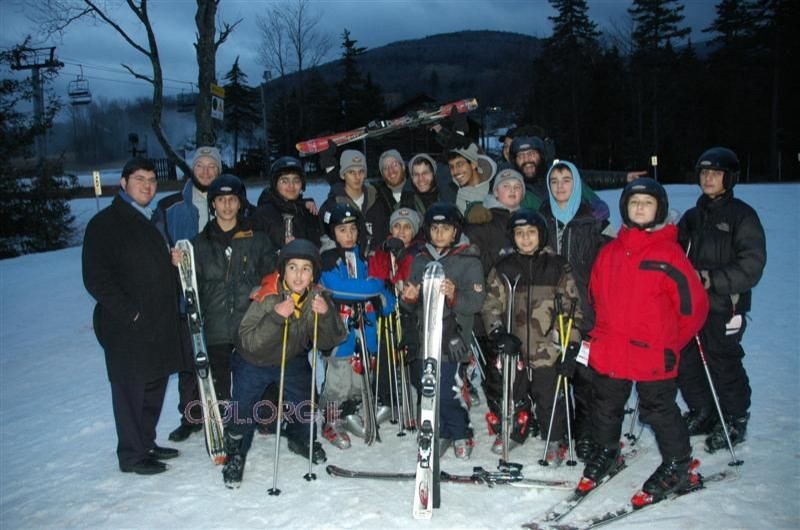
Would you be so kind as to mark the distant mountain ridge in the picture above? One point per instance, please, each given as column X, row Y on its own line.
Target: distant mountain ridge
column 489, row 65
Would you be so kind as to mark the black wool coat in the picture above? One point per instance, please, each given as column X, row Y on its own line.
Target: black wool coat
column 127, row 270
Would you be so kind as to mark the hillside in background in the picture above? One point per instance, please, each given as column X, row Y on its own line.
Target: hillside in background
column 489, row 65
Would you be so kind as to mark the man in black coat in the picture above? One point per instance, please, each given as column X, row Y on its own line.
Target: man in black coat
column 127, row 270
column 726, row 244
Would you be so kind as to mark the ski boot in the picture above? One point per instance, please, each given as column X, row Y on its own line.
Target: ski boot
column 444, row 445
column 497, row 446
column 603, row 462
column 335, row 434
column 700, row 421
column 673, row 475
column 463, row 448
column 737, row 428
column 354, row 424
column 234, row 465
column 383, row 414
column 584, row 449
column 556, row 453
column 300, row 447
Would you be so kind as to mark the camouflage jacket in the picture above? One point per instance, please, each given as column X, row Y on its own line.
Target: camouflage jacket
column 534, row 320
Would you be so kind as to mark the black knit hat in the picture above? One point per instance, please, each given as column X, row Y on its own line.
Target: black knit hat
column 300, row 249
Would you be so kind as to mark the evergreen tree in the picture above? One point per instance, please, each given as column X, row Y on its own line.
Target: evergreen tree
column 242, row 106
column 567, row 59
column 360, row 99
column 656, row 30
column 34, row 204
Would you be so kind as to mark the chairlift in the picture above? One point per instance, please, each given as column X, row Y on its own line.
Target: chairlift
column 78, row 90
column 187, row 101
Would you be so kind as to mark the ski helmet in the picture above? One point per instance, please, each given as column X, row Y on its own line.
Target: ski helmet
column 300, row 249
column 646, row 186
column 443, row 213
column 287, row 164
column 527, row 217
column 227, row 184
column 721, row 159
column 340, row 214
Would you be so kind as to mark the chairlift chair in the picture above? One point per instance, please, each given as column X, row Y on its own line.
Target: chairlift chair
column 78, row 90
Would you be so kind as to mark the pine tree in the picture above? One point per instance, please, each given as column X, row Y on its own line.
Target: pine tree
column 360, row 99
column 34, row 204
column 242, row 106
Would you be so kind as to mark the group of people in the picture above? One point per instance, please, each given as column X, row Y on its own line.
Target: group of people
column 534, row 272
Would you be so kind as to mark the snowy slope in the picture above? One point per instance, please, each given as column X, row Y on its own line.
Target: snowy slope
column 58, row 464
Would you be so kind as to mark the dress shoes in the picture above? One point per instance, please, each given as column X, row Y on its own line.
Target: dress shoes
column 184, row 431
column 148, row 466
column 162, row 453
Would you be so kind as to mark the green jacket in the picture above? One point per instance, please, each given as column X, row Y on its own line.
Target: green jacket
column 262, row 329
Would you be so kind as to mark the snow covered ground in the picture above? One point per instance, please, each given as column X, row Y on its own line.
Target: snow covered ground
column 58, row 466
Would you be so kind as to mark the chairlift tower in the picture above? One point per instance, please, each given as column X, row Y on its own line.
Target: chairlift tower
column 34, row 59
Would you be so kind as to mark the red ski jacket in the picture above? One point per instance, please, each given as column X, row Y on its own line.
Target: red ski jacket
column 649, row 304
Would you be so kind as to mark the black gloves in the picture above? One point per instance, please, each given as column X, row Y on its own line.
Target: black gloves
column 393, row 245
column 506, row 343
column 567, row 367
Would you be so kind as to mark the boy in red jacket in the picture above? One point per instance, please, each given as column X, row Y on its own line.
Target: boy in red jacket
column 649, row 303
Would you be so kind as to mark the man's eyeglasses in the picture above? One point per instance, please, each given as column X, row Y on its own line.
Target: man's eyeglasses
column 144, row 180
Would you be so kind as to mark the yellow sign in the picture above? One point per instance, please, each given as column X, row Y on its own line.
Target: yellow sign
column 98, row 186
column 654, row 161
column 217, row 102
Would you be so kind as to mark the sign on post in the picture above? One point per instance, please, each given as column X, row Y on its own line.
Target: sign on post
column 217, row 102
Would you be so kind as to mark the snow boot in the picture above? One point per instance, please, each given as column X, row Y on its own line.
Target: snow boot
column 234, row 465
column 584, row 449
column 673, row 475
column 335, row 434
column 463, row 448
column 700, row 421
column 300, row 447
column 737, row 428
column 603, row 461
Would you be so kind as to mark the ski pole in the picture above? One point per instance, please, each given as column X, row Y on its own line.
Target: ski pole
column 560, row 312
column 564, row 343
column 634, row 416
column 311, row 475
column 391, row 367
column 274, row 489
column 734, row 461
column 378, row 362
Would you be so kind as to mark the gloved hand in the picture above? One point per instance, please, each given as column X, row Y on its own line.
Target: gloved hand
column 567, row 367
column 507, row 344
column 393, row 245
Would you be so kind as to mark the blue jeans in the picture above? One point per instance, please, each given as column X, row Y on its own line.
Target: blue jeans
column 249, row 382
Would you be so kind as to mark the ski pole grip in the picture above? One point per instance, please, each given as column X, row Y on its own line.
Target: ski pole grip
column 572, row 305
column 559, row 305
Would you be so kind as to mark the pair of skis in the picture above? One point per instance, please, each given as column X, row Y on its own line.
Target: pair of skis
column 559, row 511
column 212, row 419
column 508, row 476
column 428, row 477
column 381, row 127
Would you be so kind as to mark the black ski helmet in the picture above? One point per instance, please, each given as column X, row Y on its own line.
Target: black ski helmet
column 527, row 217
column 340, row 214
column 300, row 249
column 646, row 186
column 721, row 159
column 443, row 213
column 227, row 184
column 287, row 164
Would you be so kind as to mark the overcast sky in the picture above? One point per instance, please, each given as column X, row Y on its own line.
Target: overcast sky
column 373, row 23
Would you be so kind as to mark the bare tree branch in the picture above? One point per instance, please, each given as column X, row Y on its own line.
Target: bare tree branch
column 137, row 75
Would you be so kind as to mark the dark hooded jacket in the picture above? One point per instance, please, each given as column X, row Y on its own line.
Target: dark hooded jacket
column 725, row 237
column 273, row 211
